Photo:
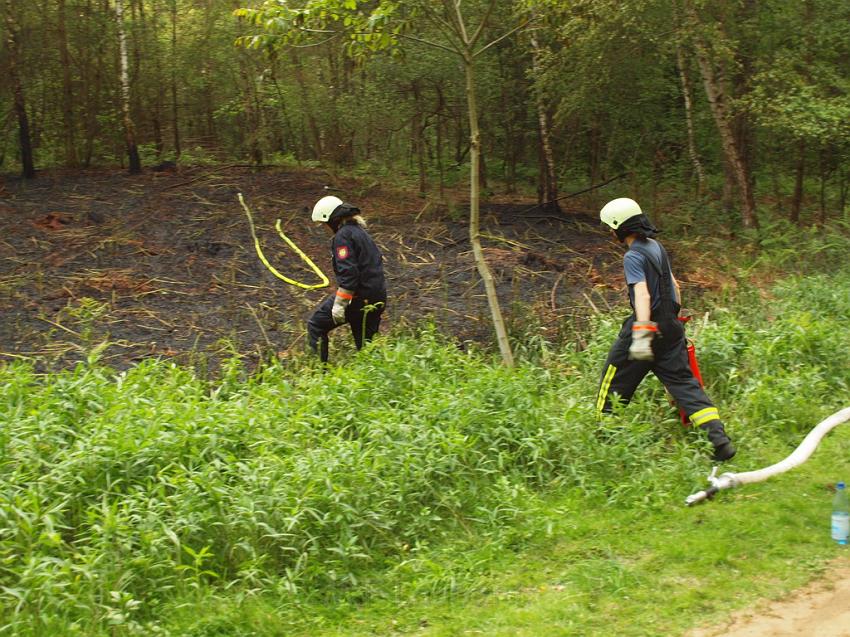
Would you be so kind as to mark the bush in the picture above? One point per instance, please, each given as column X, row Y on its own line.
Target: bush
column 122, row 492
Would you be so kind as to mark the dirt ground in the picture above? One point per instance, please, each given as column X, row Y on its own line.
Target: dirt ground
column 162, row 264
column 818, row 610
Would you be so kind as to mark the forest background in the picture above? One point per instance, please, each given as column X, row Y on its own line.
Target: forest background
column 744, row 101
column 423, row 487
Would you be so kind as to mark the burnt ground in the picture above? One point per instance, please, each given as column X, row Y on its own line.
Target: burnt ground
column 163, row 264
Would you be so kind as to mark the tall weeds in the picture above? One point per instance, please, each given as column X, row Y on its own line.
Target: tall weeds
column 122, row 492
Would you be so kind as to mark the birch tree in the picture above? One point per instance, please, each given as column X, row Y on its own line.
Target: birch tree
column 19, row 98
column 135, row 164
column 718, row 100
column 684, row 77
column 175, row 109
column 549, row 179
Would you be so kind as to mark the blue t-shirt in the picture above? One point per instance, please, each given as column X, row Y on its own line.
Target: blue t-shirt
column 635, row 266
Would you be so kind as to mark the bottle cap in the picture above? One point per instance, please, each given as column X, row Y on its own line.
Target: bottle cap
column 840, row 485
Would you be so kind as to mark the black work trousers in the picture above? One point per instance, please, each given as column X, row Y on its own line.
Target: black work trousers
column 363, row 315
column 621, row 376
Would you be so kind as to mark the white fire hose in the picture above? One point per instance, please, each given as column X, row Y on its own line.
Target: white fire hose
column 798, row 457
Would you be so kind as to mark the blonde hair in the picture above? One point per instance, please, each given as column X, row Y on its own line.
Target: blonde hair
column 359, row 220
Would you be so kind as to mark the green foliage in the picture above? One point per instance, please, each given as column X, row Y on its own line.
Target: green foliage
column 800, row 110
column 356, row 85
column 773, row 364
column 365, row 27
column 799, row 90
column 410, row 469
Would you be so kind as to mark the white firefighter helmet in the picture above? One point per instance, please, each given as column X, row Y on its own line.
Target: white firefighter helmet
column 325, row 207
column 616, row 211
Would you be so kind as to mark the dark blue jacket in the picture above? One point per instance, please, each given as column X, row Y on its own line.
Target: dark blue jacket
column 358, row 262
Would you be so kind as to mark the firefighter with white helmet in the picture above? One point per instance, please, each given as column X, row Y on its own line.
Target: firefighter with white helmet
column 361, row 293
column 653, row 339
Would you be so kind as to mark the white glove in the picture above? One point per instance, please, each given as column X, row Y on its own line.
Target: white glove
column 642, row 334
column 341, row 301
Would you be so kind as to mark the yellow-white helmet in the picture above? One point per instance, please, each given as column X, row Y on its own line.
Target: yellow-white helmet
column 616, row 211
column 325, row 207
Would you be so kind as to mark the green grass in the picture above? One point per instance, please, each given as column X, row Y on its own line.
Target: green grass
column 615, row 571
column 597, row 570
column 419, row 489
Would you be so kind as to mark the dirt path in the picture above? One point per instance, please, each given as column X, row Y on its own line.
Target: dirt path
column 821, row 609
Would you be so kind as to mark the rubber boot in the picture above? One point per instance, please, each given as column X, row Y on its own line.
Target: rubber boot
column 723, row 447
column 319, row 347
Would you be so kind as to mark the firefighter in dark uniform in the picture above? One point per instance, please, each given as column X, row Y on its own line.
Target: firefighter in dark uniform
column 653, row 339
column 361, row 293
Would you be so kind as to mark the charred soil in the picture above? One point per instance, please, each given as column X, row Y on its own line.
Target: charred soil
column 162, row 264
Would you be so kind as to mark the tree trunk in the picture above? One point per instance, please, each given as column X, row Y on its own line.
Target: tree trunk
column 549, row 181
column 482, row 167
column 253, row 121
column 208, row 69
column 439, row 141
column 799, row 176
column 418, row 125
column 335, row 126
column 825, row 171
column 461, row 140
column 777, row 187
column 287, row 135
column 68, row 121
column 148, row 48
column 306, row 106
column 135, row 164
column 474, row 215
column 20, row 103
column 717, row 100
column 95, row 86
column 727, row 197
column 744, row 130
column 175, row 120
column 689, row 120
column 594, row 145
column 512, row 130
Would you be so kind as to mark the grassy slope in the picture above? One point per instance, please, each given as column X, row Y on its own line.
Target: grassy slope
column 599, row 570
column 624, row 572
column 419, row 489
column 635, row 562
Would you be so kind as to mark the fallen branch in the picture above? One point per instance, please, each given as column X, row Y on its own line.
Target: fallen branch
column 199, row 177
column 573, row 194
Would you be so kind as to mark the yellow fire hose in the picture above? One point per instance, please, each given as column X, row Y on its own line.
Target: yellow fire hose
column 325, row 282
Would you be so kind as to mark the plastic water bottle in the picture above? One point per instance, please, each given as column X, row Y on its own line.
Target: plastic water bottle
column 840, row 514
